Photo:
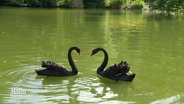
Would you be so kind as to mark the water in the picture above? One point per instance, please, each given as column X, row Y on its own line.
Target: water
column 153, row 46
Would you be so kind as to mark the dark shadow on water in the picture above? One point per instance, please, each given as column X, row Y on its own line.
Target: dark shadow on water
column 55, row 79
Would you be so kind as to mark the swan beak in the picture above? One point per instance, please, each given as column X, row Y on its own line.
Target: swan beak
column 79, row 53
column 91, row 54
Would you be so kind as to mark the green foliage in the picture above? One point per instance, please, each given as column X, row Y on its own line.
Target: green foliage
column 149, row 1
column 63, row 3
column 116, row 4
column 162, row 5
column 66, row 3
column 137, row 4
column 168, row 5
column 14, row 2
column 47, row 3
column 32, row 3
column 131, row 4
column 94, row 3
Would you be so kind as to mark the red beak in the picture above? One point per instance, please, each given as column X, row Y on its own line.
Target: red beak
column 79, row 53
column 91, row 54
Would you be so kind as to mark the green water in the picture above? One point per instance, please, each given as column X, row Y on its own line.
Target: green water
column 153, row 46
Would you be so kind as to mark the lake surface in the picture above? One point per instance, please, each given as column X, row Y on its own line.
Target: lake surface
column 152, row 45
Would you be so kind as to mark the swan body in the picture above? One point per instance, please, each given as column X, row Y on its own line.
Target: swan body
column 116, row 72
column 54, row 69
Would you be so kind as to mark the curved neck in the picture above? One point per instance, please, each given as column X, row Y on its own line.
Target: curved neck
column 104, row 63
column 70, row 60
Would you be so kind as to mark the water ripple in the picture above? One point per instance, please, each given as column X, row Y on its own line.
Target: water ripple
column 169, row 100
column 48, row 89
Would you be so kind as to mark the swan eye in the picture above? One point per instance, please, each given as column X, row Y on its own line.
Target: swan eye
column 77, row 50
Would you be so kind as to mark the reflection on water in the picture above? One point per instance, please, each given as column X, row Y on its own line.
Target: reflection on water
column 64, row 89
column 152, row 46
column 169, row 100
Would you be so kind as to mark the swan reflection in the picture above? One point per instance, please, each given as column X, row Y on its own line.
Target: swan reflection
column 169, row 100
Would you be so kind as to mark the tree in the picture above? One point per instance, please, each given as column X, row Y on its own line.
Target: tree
column 47, row 3
column 94, row 3
column 168, row 5
column 32, row 3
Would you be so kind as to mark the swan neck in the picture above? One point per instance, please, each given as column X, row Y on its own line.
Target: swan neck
column 104, row 63
column 71, row 62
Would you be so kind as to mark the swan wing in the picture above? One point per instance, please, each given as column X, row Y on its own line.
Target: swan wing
column 110, row 71
column 52, row 65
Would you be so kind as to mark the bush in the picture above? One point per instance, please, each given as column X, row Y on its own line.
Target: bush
column 116, row 4
column 149, row 1
column 14, row 3
column 32, row 3
column 137, row 4
column 94, row 3
column 66, row 3
column 47, row 3
column 168, row 5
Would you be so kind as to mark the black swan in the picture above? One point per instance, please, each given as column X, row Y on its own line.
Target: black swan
column 54, row 69
column 116, row 72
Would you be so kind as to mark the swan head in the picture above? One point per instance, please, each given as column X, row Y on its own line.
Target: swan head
column 77, row 50
column 95, row 51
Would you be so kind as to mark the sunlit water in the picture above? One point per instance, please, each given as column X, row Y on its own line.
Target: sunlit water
column 152, row 45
